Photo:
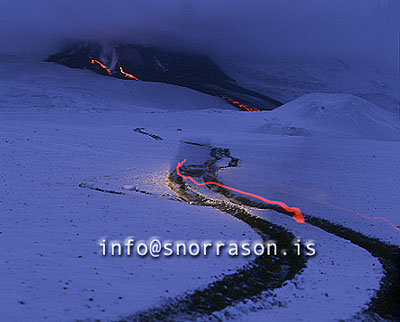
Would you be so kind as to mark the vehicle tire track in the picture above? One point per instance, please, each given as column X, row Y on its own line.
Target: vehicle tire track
column 262, row 274
column 265, row 272
column 386, row 303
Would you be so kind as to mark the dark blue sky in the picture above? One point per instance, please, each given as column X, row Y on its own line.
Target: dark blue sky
column 234, row 28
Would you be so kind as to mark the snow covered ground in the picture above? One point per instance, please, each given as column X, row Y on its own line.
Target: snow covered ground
column 61, row 127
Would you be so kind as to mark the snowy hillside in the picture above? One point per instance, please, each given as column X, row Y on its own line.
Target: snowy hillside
column 86, row 157
column 340, row 115
column 42, row 85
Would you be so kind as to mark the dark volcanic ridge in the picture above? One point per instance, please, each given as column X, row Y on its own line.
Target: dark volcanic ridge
column 151, row 64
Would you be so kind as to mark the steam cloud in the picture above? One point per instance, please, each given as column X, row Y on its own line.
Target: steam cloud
column 231, row 29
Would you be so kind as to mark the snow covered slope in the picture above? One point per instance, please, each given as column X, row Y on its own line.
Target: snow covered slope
column 60, row 128
column 340, row 115
column 43, row 86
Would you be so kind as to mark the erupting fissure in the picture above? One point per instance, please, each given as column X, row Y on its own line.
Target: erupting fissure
column 95, row 61
column 148, row 63
column 127, row 74
column 298, row 216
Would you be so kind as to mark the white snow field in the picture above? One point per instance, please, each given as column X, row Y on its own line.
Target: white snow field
column 340, row 115
column 62, row 127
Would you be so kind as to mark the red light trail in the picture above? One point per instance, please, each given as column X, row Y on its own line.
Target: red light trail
column 319, row 201
column 298, row 216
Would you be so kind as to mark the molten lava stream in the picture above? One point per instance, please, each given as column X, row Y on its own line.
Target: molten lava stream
column 127, row 74
column 242, row 106
column 94, row 61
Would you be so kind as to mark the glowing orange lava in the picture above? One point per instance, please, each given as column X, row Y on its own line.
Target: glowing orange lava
column 298, row 216
column 94, row 61
column 243, row 106
column 127, row 74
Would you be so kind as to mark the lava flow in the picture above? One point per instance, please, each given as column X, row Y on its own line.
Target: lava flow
column 94, row 61
column 298, row 216
column 127, row 74
column 242, row 106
